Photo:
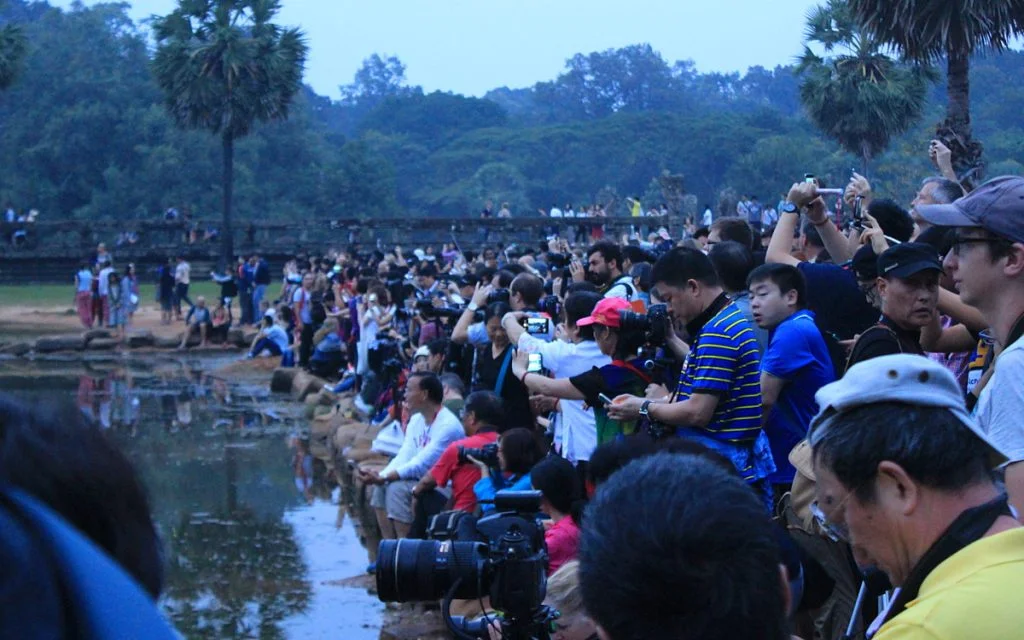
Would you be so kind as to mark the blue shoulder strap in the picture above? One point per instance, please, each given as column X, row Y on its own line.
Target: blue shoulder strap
column 504, row 371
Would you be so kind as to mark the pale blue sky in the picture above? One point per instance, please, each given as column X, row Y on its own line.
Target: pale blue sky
column 471, row 46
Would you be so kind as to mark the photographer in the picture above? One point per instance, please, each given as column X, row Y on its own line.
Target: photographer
column 604, row 260
column 574, row 426
column 518, row 452
column 430, row 430
column 619, row 377
column 494, row 372
column 563, row 502
column 524, row 294
column 482, row 419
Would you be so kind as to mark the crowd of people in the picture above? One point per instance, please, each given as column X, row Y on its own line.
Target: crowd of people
column 104, row 296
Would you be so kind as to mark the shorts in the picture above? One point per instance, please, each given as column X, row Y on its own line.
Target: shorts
column 395, row 498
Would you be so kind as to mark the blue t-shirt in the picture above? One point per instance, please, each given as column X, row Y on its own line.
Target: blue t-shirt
column 797, row 354
column 724, row 362
column 833, row 294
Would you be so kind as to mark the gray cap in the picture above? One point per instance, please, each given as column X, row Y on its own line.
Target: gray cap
column 906, row 378
column 996, row 206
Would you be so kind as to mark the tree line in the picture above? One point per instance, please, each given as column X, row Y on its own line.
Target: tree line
column 87, row 131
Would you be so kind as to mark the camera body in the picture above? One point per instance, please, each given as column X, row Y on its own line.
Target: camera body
column 653, row 324
column 488, row 454
column 499, row 295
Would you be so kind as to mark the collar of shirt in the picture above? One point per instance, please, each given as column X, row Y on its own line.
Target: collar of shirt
column 694, row 326
column 907, row 336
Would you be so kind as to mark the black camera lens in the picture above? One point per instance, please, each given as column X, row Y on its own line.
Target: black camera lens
column 421, row 570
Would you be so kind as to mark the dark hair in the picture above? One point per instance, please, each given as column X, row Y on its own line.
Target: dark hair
column 608, row 250
column 521, row 450
column 930, row 443
column 505, row 278
column 703, row 232
column 514, row 268
column 496, row 310
column 683, row 264
column 558, row 481
column 892, row 218
column 580, row 305
column 786, row 277
column 733, row 262
column 628, row 344
column 581, row 287
column 530, row 287
column 428, row 270
column 430, row 383
column 488, row 408
column 454, row 382
column 56, row 454
column 642, row 273
column 813, row 235
column 705, row 563
column 946, row 191
column 734, row 229
column 438, row 346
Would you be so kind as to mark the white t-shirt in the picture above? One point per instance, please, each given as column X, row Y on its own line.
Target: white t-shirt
column 555, row 212
column 623, row 287
column 423, row 444
column 104, row 281
column 1001, row 403
column 708, row 218
column 575, row 427
column 277, row 335
column 182, row 272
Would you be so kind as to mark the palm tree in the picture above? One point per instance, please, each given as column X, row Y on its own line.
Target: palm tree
column 858, row 96
column 927, row 30
column 12, row 53
column 223, row 65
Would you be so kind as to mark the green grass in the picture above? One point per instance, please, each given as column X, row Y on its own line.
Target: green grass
column 59, row 296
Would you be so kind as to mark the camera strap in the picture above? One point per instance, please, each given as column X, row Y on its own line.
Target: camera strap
column 504, row 371
column 968, row 528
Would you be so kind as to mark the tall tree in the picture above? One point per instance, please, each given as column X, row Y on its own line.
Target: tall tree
column 223, row 65
column 927, row 30
column 857, row 96
column 12, row 53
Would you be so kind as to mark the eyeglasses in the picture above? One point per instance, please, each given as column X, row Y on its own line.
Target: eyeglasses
column 959, row 242
column 835, row 531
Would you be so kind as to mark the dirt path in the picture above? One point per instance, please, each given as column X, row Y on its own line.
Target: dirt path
column 27, row 322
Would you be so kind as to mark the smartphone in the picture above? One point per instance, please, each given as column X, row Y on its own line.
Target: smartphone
column 535, row 363
column 604, row 399
column 536, row 326
column 809, row 177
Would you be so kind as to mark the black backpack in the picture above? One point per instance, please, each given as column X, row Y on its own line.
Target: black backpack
column 317, row 311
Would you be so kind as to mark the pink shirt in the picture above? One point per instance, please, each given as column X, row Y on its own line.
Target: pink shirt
column 563, row 542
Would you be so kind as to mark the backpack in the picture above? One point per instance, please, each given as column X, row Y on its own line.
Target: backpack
column 836, row 351
column 627, row 282
column 317, row 311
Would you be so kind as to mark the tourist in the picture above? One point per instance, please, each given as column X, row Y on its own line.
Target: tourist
column 198, row 321
column 115, row 304
column 220, row 323
column 518, row 451
column 165, row 291
column 182, row 278
column 103, row 290
column 83, row 294
column 260, row 282
column 562, row 501
column 130, row 293
column 604, row 260
column 271, row 340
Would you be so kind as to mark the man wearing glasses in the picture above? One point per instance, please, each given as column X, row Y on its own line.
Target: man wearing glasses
column 987, row 266
column 904, row 475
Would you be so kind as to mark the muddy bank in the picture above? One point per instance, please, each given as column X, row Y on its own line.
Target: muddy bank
column 100, row 341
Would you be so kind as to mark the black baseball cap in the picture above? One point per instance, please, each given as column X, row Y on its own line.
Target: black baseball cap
column 865, row 263
column 907, row 259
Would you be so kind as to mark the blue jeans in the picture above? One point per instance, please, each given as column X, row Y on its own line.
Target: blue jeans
column 257, row 298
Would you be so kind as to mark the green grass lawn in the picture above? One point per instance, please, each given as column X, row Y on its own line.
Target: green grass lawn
column 63, row 296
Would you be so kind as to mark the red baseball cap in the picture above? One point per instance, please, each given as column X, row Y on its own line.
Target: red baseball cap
column 606, row 313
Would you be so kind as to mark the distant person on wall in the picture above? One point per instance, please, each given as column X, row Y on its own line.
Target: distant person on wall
column 83, row 294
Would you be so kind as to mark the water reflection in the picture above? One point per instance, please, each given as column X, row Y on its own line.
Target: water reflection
column 231, row 482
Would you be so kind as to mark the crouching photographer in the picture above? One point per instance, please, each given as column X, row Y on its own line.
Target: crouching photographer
column 507, row 467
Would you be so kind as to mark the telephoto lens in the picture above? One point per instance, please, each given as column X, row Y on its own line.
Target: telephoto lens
column 422, row 570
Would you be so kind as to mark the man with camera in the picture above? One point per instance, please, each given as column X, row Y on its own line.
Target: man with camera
column 717, row 401
column 430, row 430
column 524, row 295
column 604, row 261
column 483, row 419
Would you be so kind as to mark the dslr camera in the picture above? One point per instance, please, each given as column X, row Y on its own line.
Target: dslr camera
column 653, row 324
column 488, row 454
column 507, row 562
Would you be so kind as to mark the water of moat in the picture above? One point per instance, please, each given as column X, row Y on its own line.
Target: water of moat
column 249, row 553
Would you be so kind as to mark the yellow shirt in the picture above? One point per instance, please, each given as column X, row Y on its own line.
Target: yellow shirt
column 974, row 595
column 636, row 209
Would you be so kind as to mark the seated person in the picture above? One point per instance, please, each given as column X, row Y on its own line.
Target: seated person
column 518, row 451
column 197, row 320
column 221, row 322
column 562, row 501
column 564, row 595
column 328, row 354
column 272, row 339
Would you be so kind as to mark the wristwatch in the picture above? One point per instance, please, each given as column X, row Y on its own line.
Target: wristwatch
column 472, row 306
column 790, row 207
column 644, row 409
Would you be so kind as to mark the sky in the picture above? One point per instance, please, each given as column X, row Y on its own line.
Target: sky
column 472, row 46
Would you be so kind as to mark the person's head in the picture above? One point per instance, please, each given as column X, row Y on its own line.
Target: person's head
column 564, row 595
column 438, row 349
column 701, row 236
column 895, row 453
column 606, row 319
column 424, row 391
column 705, row 563
column 54, row 453
column 420, row 358
column 579, row 305
column 559, row 485
column 908, row 284
column 735, row 229
column 892, row 218
column 525, row 291
column 766, row 236
column 502, row 279
column 493, row 313
column 518, row 451
column 604, row 262
column 810, row 240
column 987, row 258
column 453, row 386
column 935, row 190
column 733, row 262
column 426, row 276
column 201, row 302
column 641, row 274
column 685, row 280
column 308, row 279
column 777, row 291
column 483, row 409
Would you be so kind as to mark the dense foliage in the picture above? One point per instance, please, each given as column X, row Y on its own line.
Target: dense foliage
column 83, row 133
